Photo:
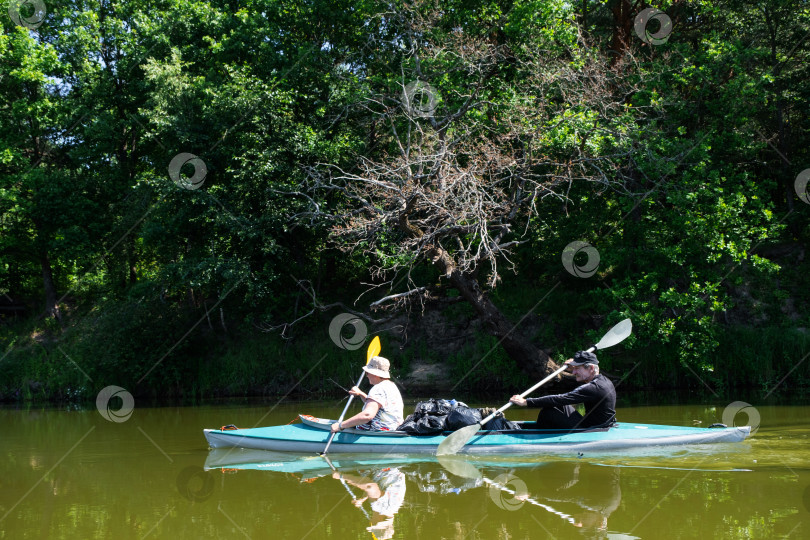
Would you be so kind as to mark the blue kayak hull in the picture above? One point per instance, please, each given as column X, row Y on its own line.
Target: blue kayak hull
column 312, row 438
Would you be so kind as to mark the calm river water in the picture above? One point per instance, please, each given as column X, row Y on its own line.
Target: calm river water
column 75, row 474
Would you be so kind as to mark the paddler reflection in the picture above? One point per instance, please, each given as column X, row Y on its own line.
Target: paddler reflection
column 384, row 492
column 588, row 493
column 584, row 495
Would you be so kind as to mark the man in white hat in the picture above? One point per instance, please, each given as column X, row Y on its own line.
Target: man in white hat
column 383, row 403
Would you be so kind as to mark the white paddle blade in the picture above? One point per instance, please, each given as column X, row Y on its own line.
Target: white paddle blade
column 460, row 467
column 615, row 335
column 456, row 440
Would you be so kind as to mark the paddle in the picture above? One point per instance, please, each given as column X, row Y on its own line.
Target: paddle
column 374, row 349
column 464, row 469
column 456, row 440
column 348, row 489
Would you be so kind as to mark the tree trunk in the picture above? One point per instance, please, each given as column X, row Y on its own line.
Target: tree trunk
column 583, row 17
column 782, row 127
column 622, row 28
column 131, row 261
column 531, row 360
column 783, row 143
column 51, row 307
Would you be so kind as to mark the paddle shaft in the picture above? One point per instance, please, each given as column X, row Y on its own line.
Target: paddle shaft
column 465, row 469
column 570, row 519
column 372, row 351
column 346, row 408
column 523, row 395
column 348, row 489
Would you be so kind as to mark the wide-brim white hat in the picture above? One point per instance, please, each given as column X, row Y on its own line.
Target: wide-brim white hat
column 378, row 366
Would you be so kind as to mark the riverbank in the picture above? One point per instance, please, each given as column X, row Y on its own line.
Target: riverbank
column 435, row 354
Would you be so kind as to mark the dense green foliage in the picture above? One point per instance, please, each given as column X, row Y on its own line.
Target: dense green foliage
column 683, row 179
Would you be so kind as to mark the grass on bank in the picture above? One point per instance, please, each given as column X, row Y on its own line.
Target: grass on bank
column 136, row 346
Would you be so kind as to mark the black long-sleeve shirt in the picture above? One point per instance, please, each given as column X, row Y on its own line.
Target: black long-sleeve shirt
column 599, row 397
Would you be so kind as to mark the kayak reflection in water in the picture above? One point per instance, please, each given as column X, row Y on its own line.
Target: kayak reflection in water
column 386, row 491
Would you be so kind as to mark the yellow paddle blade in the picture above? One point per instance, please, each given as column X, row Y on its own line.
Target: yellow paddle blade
column 374, row 349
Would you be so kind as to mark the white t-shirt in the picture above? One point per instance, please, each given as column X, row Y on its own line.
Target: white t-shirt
column 392, row 483
column 387, row 395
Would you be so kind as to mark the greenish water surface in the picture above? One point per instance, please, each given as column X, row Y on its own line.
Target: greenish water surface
column 75, row 474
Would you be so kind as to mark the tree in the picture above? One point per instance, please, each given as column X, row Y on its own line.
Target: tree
column 484, row 125
column 33, row 186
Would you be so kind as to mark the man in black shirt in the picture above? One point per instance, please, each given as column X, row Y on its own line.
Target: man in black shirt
column 597, row 393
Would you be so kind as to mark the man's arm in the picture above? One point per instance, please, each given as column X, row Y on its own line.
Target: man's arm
column 583, row 394
column 368, row 413
column 531, row 402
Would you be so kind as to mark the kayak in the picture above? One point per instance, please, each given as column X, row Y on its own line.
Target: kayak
column 312, row 434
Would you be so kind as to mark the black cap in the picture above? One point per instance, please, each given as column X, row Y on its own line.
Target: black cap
column 584, row 357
